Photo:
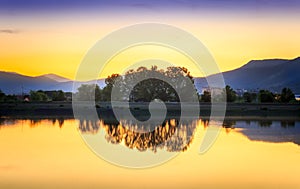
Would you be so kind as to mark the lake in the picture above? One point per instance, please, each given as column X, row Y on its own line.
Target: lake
column 52, row 153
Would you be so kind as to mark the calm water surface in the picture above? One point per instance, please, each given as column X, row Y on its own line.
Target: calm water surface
column 50, row 153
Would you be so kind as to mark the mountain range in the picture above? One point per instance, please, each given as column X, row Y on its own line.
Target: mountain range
column 14, row 83
column 271, row 74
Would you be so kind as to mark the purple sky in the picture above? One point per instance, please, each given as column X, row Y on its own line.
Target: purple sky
column 61, row 5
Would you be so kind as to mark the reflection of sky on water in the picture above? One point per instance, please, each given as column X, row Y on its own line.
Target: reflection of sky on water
column 266, row 130
column 53, row 157
column 271, row 131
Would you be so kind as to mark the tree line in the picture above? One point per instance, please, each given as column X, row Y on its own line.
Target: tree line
column 150, row 89
column 263, row 96
column 144, row 91
column 37, row 96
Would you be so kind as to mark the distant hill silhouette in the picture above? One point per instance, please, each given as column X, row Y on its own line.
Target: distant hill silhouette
column 55, row 77
column 13, row 83
column 271, row 74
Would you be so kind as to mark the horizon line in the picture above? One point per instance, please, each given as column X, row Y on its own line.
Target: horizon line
column 73, row 79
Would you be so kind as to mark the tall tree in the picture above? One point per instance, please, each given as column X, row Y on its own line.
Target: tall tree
column 249, row 97
column 145, row 90
column 150, row 88
column 106, row 91
column 88, row 92
column 38, row 96
column 2, row 96
column 266, row 96
column 230, row 94
column 206, row 96
column 59, row 96
column 287, row 95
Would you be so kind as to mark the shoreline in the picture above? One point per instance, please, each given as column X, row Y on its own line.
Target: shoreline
column 64, row 109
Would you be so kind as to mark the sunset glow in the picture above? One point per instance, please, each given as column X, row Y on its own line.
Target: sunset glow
column 36, row 41
column 150, row 94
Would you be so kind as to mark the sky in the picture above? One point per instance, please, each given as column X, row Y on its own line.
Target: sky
column 41, row 37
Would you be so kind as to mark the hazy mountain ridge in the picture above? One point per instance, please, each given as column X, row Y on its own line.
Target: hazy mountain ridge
column 271, row 74
column 264, row 63
column 55, row 77
column 14, row 83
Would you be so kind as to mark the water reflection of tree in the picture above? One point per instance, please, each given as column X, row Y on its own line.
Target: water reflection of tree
column 287, row 123
column 2, row 121
column 229, row 124
column 89, row 126
column 170, row 135
column 265, row 123
column 33, row 121
column 205, row 122
column 60, row 122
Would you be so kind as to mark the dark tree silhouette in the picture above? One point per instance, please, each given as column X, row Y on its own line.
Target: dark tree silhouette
column 86, row 92
column 2, row 96
column 58, row 96
column 266, row 96
column 206, row 97
column 249, row 97
column 287, row 95
column 230, row 94
column 150, row 88
column 38, row 96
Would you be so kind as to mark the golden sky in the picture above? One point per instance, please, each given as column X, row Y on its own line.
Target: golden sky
column 43, row 43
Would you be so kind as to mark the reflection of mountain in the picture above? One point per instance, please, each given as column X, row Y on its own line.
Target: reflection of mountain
column 169, row 135
column 13, row 83
column 273, row 74
column 271, row 131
